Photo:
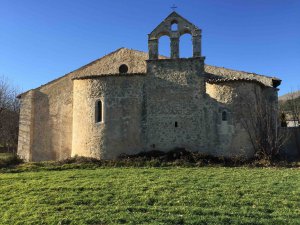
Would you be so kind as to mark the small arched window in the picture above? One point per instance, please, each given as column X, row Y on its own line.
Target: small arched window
column 174, row 26
column 98, row 111
column 224, row 116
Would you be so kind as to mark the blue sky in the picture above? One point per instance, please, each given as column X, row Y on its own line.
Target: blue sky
column 42, row 40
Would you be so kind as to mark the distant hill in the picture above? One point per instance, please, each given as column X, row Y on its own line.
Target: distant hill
column 295, row 94
column 290, row 102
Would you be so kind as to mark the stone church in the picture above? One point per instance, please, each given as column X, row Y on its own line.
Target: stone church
column 131, row 101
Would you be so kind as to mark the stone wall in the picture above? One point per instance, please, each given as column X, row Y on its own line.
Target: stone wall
column 177, row 112
column 239, row 100
column 233, row 139
column 139, row 111
column 47, row 112
column 26, row 126
column 121, row 128
column 52, row 121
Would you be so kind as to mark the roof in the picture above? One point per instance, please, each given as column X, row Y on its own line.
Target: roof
column 223, row 80
column 108, row 75
column 136, row 60
column 215, row 72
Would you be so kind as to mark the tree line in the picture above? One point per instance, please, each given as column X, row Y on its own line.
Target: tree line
column 9, row 114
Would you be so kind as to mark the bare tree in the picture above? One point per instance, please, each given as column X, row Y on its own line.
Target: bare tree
column 259, row 117
column 291, row 109
column 293, row 105
column 9, row 114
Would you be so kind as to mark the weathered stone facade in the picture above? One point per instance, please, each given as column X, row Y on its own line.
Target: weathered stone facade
column 157, row 103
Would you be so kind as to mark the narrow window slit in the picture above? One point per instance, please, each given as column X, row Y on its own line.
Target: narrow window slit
column 224, row 116
column 98, row 111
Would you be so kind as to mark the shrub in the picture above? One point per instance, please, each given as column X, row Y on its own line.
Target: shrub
column 10, row 161
column 177, row 157
column 77, row 160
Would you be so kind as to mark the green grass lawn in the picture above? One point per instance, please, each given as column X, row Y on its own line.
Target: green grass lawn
column 207, row 195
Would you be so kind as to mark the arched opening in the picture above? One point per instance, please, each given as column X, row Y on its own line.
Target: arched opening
column 98, row 111
column 224, row 116
column 164, row 46
column 186, row 46
column 174, row 26
column 123, row 68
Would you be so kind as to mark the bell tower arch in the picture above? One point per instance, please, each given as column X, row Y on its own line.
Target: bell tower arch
column 175, row 92
column 174, row 26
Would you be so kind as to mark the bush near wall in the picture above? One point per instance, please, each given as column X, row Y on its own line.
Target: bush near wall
column 8, row 160
column 175, row 158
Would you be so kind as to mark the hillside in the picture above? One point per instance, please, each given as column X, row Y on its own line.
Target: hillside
column 295, row 94
column 289, row 101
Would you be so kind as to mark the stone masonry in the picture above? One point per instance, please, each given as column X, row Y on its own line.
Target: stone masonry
column 130, row 101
